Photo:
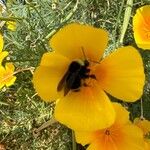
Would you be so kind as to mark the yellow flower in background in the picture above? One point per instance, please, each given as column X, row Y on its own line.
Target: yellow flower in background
column 145, row 126
column 122, row 135
column 3, row 54
column 7, row 77
column 11, row 25
column 141, row 27
column 75, row 74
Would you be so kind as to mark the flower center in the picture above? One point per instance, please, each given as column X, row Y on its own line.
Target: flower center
column 107, row 132
column 75, row 77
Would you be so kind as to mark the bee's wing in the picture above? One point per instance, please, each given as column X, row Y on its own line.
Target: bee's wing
column 62, row 82
column 70, row 81
column 67, row 81
column 70, row 78
column 66, row 89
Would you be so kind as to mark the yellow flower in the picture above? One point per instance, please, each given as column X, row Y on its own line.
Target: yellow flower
column 7, row 75
column 145, row 126
column 122, row 135
column 80, row 87
column 4, row 53
column 11, row 25
column 141, row 27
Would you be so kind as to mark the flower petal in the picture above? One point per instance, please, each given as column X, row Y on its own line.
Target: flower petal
column 121, row 74
column 132, row 139
column 3, row 54
column 122, row 115
column 9, row 70
column 52, row 59
column 47, row 76
column 2, row 71
column 88, row 109
column 1, row 42
column 9, row 67
column 11, row 25
column 75, row 38
column 143, row 124
column 101, row 145
column 11, row 81
column 141, row 27
column 84, row 137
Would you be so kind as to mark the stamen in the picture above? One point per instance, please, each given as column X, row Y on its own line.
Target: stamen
column 107, row 132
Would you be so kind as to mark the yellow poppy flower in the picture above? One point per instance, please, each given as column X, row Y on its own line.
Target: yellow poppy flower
column 122, row 135
column 141, row 27
column 145, row 126
column 7, row 75
column 73, row 74
column 3, row 54
column 11, row 25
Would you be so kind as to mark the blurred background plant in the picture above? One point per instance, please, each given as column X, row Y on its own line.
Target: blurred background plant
column 21, row 110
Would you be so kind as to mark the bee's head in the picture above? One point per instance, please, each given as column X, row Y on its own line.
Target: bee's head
column 75, row 65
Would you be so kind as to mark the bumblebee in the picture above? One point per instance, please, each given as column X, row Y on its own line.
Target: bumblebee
column 72, row 79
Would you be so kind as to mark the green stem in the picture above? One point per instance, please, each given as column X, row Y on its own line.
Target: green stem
column 142, row 111
column 10, row 18
column 69, row 16
column 74, row 146
column 50, row 34
column 126, row 20
column 117, row 21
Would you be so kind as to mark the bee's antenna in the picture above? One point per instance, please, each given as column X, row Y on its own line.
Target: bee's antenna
column 97, row 62
column 83, row 53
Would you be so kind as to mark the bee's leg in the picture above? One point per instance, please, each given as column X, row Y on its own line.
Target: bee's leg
column 88, row 70
column 92, row 76
column 76, row 90
column 85, row 84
